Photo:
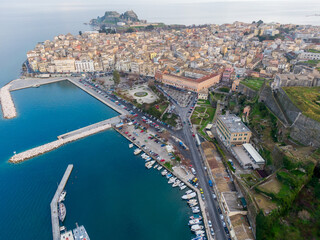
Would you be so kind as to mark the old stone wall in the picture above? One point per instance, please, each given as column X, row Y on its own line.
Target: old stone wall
column 247, row 91
column 306, row 131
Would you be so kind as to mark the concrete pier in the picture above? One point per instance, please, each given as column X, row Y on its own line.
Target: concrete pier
column 54, row 203
column 8, row 108
column 64, row 139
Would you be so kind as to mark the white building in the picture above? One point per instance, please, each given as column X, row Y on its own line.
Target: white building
column 84, row 66
column 309, row 56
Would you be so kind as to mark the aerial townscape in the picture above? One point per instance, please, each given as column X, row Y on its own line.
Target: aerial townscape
column 226, row 114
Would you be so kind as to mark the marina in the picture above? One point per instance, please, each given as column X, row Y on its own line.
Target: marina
column 177, row 177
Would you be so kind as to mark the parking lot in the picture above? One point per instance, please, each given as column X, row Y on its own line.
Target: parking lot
column 181, row 97
column 149, row 141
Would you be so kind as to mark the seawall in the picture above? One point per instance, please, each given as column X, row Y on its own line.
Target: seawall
column 84, row 132
column 7, row 105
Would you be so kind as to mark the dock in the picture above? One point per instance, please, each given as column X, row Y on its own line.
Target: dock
column 64, row 139
column 54, row 203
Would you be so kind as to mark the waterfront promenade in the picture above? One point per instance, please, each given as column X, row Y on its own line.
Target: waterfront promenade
column 54, row 203
column 64, row 139
column 8, row 108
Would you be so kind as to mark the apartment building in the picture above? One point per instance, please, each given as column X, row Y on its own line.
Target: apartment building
column 232, row 131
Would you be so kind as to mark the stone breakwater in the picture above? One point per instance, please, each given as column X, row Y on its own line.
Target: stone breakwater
column 55, row 144
column 8, row 108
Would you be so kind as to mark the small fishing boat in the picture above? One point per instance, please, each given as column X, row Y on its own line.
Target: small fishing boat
column 131, row 145
column 159, row 168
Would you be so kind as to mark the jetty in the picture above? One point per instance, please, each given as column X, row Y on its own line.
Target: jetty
column 54, row 203
column 64, row 139
column 8, row 108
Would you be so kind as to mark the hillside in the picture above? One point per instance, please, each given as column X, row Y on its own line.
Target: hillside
column 113, row 17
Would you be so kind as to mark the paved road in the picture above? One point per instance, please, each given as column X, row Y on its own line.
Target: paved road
column 211, row 203
column 186, row 134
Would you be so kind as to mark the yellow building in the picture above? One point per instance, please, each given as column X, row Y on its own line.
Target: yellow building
column 232, row 130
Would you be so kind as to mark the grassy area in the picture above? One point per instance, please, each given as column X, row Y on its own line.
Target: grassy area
column 313, row 51
column 224, row 89
column 302, row 220
column 168, row 165
column 307, row 99
column 253, row 83
column 217, row 96
column 202, row 115
column 312, row 63
column 170, row 119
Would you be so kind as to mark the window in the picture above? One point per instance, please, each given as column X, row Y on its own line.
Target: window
column 246, row 134
column 240, row 138
column 234, row 139
column 244, row 138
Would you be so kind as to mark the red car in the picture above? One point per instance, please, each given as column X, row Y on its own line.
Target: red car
column 162, row 160
column 126, row 132
column 141, row 131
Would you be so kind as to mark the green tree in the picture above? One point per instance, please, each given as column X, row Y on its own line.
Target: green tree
column 116, row 77
column 149, row 27
column 130, row 30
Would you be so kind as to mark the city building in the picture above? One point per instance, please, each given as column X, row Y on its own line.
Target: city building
column 195, row 85
column 232, row 131
column 84, row 66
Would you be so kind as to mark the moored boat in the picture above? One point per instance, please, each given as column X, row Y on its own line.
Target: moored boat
column 176, row 183
column 195, row 221
column 137, row 151
column 131, row 145
column 164, row 172
column 189, row 196
column 182, row 187
column 196, row 227
column 171, row 180
column 159, row 168
column 62, row 211
column 62, row 196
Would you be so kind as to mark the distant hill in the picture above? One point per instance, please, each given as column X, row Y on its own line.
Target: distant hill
column 113, row 17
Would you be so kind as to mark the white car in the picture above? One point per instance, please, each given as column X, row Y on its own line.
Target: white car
column 210, row 223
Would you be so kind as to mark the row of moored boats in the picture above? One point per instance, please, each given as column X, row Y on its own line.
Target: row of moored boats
column 195, row 222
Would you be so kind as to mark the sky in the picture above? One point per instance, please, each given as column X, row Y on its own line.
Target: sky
column 35, row 3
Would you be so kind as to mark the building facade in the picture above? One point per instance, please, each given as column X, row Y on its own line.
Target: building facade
column 232, row 130
column 84, row 66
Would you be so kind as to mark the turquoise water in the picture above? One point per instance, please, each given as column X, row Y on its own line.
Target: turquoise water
column 109, row 191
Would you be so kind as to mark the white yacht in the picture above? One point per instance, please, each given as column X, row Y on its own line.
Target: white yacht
column 137, row 151
column 176, row 183
column 196, row 227
column 171, row 180
column 159, row 168
column 164, row 172
column 189, row 196
column 131, row 145
column 195, row 221
column 62, row 196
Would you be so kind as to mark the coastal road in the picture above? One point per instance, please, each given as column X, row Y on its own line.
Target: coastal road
column 196, row 158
